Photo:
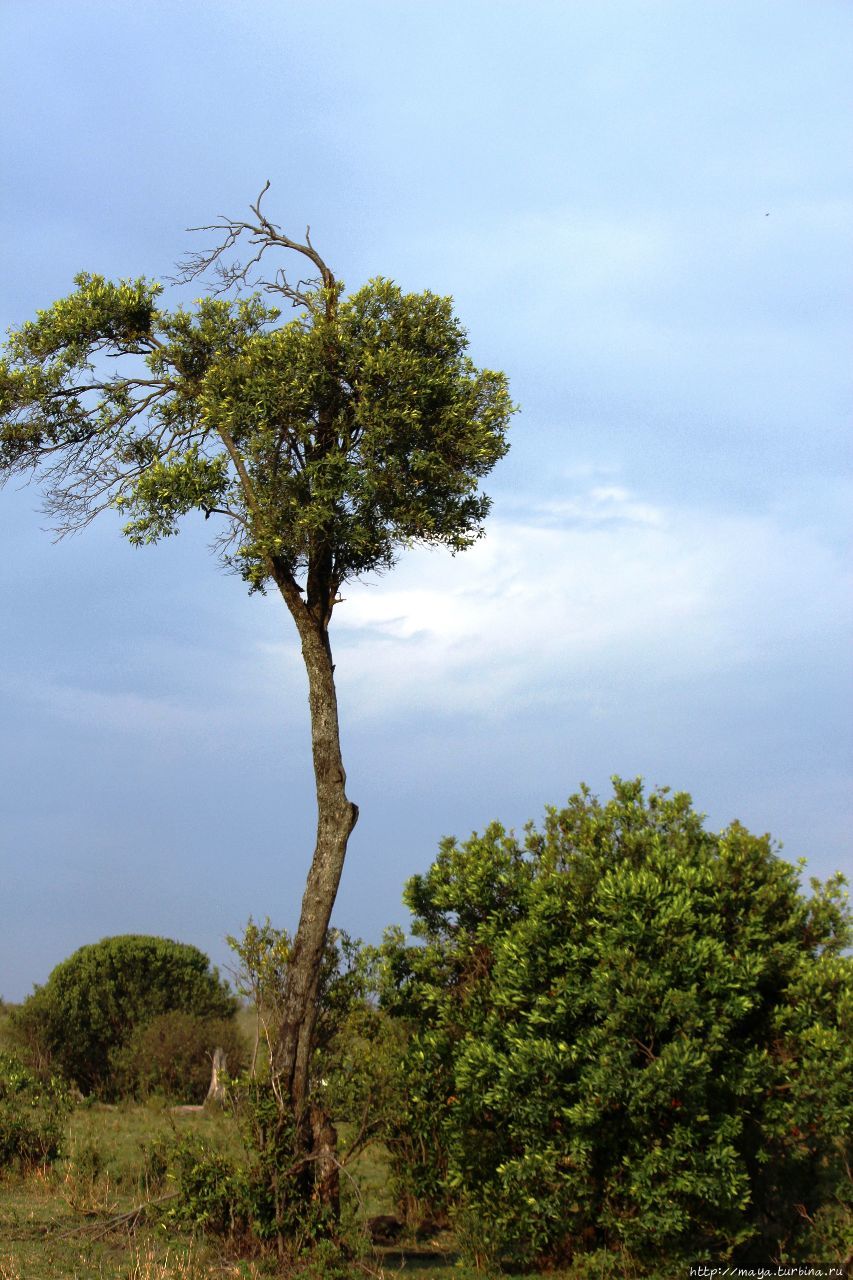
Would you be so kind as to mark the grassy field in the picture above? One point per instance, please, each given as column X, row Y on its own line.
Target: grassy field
column 65, row 1224
column 72, row 1221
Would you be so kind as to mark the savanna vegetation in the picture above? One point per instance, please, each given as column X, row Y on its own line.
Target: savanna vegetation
column 321, row 447
column 87, row 1019
column 616, row 1045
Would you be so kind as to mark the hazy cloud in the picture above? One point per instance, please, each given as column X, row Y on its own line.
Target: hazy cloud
column 604, row 583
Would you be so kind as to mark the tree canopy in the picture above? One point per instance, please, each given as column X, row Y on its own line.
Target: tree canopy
column 325, row 443
column 94, row 1001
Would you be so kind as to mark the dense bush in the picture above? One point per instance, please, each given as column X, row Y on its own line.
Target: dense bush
column 93, row 1002
column 33, row 1116
column 631, row 1036
column 257, row 1197
column 172, row 1055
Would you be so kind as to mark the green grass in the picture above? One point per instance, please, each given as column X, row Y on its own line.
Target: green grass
column 55, row 1225
column 52, row 1224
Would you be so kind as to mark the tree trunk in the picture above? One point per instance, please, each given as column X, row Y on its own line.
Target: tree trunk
column 336, row 817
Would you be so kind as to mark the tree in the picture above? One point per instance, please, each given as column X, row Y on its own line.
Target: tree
column 631, row 1035
column 95, row 1001
column 323, row 446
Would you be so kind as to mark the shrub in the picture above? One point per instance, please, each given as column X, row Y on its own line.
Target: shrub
column 631, row 1034
column 93, row 1002
column 33, row 1116
column 172, row 1055
column 210, row 1186
column 257, row 1197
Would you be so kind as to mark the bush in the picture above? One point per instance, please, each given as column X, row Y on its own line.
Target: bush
column 257, row 1197
column 93, row 1002
column 631, row 1035
column 33, row 1116
column 172, row 1055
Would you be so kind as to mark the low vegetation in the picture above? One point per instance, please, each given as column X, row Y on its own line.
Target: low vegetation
column 619, row 1045
column 79, row 1218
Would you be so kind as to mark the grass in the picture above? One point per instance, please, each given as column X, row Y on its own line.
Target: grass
column 55, row 1224
column 51, row 1223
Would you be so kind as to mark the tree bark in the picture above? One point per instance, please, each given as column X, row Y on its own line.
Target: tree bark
column 336, row 817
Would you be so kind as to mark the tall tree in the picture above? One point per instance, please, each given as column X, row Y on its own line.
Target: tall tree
column 323, row 446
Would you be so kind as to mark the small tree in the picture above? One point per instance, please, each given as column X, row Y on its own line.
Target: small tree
column 630, row 1035
column 323, row 446
column 94, row 1002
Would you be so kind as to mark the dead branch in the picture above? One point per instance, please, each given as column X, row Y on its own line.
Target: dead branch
column 261, row 234
column 130, row 1218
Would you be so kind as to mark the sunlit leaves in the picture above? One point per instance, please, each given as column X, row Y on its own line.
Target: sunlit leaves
column 170, row 487
column 644, row 1028
column 338, row 437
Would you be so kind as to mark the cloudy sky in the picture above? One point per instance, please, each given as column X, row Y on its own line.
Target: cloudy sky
column 643, row 211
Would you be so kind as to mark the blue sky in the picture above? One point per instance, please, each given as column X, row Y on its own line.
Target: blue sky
column 643, row 212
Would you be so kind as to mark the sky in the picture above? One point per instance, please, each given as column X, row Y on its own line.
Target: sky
column 644, row 213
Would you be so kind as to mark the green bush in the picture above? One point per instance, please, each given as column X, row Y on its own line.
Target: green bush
column 258, row 1197
column 93, row 1002
column 33, row 1116
column 211, row 1188
column 631, row 1035
column 172, row 1055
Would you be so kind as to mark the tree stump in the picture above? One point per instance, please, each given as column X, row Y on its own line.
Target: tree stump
column 216, row 1093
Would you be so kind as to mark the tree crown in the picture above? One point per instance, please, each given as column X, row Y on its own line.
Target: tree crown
column 325, row 443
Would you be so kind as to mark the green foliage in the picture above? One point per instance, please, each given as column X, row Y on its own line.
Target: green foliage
column 345, row 434
column 358, row 1069
column 94, row 1001
column 346, row 978
column 630, row 1034
column 211, row 1189
column 172, row 1056
column 258, row 1198
column 33, row 1116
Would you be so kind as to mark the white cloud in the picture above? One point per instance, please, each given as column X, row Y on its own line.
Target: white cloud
column 561, row 605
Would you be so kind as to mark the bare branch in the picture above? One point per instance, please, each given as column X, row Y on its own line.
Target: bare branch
column 261, row 234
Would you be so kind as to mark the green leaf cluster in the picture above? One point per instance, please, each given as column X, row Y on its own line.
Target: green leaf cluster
column 630, row 1034
column 93, row 1003
column 34, row 1112
column 322, row 445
